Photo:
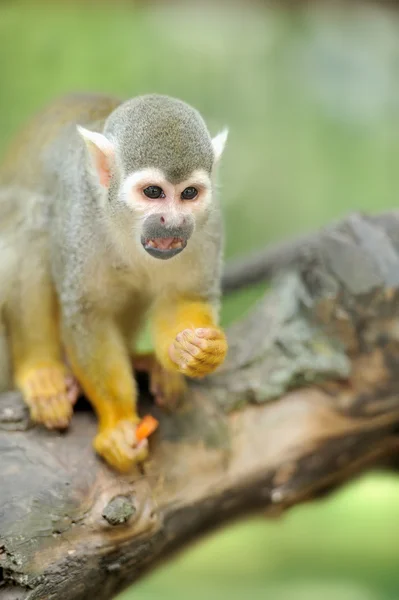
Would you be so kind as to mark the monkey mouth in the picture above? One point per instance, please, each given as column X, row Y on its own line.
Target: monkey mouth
column 165, row 247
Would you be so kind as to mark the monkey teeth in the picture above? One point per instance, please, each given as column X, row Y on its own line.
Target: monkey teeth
column 165, row 243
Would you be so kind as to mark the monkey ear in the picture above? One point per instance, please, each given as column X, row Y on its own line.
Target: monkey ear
column 219, row 142
column 101, row 152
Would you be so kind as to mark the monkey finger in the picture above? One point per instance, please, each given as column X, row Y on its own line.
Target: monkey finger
column 116, row 443
column 73, row 390
column 129, row 432
column 178, row 355
column 208, row 361
column 185, row 344
column 119, row 457
column 209, row 349
column 185, row 358
column 63, row 410
column 210, row 333
column 44, row 413
column 44, row 418
column 56, row 412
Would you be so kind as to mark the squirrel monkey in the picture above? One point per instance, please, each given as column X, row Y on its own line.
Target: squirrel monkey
column 113, row 208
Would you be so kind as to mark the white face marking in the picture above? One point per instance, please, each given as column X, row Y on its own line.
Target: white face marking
column 171, row 206
column 132, row 192
column 139, row 178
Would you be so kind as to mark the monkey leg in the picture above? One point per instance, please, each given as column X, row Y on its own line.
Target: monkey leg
column 39, row 371
column 167, row 387
column 100, row 360
column 187, row 338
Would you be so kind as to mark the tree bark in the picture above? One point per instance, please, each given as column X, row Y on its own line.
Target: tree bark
column 308, row 398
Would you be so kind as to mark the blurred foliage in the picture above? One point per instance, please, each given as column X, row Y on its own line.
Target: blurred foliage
column 311, row 97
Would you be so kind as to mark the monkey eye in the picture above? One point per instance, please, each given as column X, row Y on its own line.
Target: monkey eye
column 154, row 191
column 189, row 193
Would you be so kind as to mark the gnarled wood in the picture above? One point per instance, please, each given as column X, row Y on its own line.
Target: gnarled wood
column 308, row 397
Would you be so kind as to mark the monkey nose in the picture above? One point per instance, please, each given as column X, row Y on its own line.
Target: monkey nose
column 176, row 222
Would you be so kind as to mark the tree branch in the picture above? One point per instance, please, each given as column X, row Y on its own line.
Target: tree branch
column 267, row 262
column 308, row 397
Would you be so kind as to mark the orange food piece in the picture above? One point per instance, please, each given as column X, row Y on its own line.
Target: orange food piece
column 146, row 427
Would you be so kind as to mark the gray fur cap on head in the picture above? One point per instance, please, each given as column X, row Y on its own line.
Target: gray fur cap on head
column 160, row 132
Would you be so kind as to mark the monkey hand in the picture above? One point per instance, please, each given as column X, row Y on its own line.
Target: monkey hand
column 50, row 393
column 121, row 446
column 198, row 352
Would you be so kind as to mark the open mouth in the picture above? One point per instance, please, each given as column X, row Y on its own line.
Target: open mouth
column 164, row 247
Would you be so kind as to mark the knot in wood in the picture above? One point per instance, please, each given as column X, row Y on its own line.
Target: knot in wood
column 119, row 510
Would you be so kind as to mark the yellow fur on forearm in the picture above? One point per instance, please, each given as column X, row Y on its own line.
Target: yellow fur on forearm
column 112, row 394
column 171, row 318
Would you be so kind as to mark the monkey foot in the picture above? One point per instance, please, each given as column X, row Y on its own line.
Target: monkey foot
column 50, row 394
column 167, row 387
column 198, row 352
column 119, row 446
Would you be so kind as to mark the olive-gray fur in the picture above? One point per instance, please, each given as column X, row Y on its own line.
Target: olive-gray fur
column 161, row 132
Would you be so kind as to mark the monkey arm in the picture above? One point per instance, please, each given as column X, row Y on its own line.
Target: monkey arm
column 186, row 336
column 31, row 316
column 172, row 317
column 99, row 359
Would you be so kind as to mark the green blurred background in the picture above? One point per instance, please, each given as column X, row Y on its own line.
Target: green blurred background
column 311, row 97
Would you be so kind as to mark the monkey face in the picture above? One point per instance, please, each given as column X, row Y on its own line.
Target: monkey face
column 153, row 165
column 168, row 213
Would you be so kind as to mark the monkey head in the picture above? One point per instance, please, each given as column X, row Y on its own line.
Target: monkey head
column 153, row 166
